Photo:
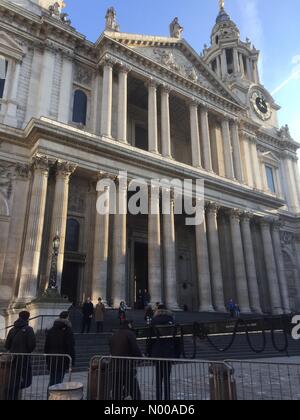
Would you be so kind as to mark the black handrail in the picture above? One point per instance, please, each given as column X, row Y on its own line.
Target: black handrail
column 32, row 319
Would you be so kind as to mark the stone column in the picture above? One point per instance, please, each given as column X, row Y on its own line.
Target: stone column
column 227, row 148
column 11, row 111
column 204, row 282
column 101, row 247
column 237, row 161
column 16, row 231
column 256, row 165
column 122, row 103
column 205, row 137
column 34, row 231
column 154, row 246
column 46, row 83
column 280, row 267
column 119, row 279
column 242, row 68
column 297, row 176
column 246, row 157
column 254, row 294
column 271, row 268
column 170, row 255
column 66, row 83
column 195, row 136
column 236, row 62
column 152, row 117
column 215, row 258
column 297, row 248
column 107, row 91
column 219, row 68
column 165, row 122
column 250, row 70
column 59, row 216
column 239, row 262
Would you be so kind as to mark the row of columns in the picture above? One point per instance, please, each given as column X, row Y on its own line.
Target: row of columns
column 210, row 276
column 200, row 130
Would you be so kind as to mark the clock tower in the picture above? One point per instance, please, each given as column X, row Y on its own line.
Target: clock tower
column 236, row 63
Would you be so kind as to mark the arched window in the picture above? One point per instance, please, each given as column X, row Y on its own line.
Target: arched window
column 72, row 236
column 3, row 74
column 80, row 107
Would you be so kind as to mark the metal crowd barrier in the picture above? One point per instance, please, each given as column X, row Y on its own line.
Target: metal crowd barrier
column 28, row 376
column 258, row 380
column 115, row 379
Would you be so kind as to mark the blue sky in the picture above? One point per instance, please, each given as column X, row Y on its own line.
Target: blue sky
column 272, row 25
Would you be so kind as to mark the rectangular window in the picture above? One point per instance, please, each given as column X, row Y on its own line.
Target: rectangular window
column 3, row 73
column 141, row 137
column 229, row 58
column 270, row 179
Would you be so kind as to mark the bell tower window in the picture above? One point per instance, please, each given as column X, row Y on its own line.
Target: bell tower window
column 229, row 58
column 3, row 74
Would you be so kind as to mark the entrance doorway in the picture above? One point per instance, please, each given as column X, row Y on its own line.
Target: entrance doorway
column 140, row 272
column 69, row 285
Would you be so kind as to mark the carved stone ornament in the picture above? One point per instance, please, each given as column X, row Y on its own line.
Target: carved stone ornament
column 167, row 58
column 55, row 10
column 6, row 175
column 83, row 76
column 285, row 134
column 287, row 238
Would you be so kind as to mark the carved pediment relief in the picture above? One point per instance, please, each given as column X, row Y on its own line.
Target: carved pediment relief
column 10, row 48
column 83, row 75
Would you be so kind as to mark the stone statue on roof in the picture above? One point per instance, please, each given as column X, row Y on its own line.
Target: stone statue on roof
column 111, row 20
column 285, row 133
column 176, row 29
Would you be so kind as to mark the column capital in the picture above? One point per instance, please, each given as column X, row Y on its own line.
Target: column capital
column 277, row 225
column 152, row 83
column 165, row 88
column 193, row 102
column 246, row 217
column 105, row 175
column 108, row 61
column 124, row 67
column 234, row 214
column 40, row 162
column 203, row 106
column 212, row 207
column 65, row 169
column 266, row 222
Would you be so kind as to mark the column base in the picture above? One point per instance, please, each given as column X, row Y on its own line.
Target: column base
column 221, row 309
column 246, row 311
column 206, row 309
column 277, row 312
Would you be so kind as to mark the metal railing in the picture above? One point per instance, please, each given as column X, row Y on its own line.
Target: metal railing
column 258, row 380
column 28, row 376
column 115, row 378
column 39, row 323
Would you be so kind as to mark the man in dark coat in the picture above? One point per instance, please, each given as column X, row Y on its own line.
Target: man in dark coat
column 87, row 312
column 163, row 348
column 124, row 344
column 20, row 340
column 60, row 340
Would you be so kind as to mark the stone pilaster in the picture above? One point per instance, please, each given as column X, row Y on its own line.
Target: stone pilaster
column 59, row 215
column 227, row 148
column 215, row 258
column 154, row 246
column 280, row 267
column 254, row 294
column 239, row 262
column 255, row 164
column 119, row 279
column 165, row 122
column 195, row 135
column 122, row 102
column 107, row 91
column 270, row 262
column 64, row 108
column 11, row 111
column 205, row 137
column 152, row 116
column 204, row 282
column 170, row 256
column 46, row 83
column 34, row 231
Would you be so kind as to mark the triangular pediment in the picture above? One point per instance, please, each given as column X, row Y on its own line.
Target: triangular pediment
column 9, row 47
column 177, row 56
column 271, row 157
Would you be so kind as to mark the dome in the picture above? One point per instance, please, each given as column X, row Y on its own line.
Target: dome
column 222, row 17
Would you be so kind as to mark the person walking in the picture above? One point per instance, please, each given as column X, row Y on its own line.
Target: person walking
column 21, row 340
column 60, row 340
column 87, row 312
column 232, row 308
column 124, row 344
column 99, row 315
column 146, row 298
column 149, row 313
column 122, row 312
column 163, row 348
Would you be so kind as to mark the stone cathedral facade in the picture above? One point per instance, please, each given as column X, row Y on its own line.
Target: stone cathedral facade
column 72, row 110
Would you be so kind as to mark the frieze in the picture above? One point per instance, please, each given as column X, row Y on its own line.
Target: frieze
column 287, row 238
column 83, row 76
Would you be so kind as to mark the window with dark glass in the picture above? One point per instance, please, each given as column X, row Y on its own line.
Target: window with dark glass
column 72, row 235
column 80, row 107
column 3, row 73
column 270, row 179
column 214, row 65
column 229, row 58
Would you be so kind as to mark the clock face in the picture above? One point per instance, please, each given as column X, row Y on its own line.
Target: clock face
column 261, row 106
